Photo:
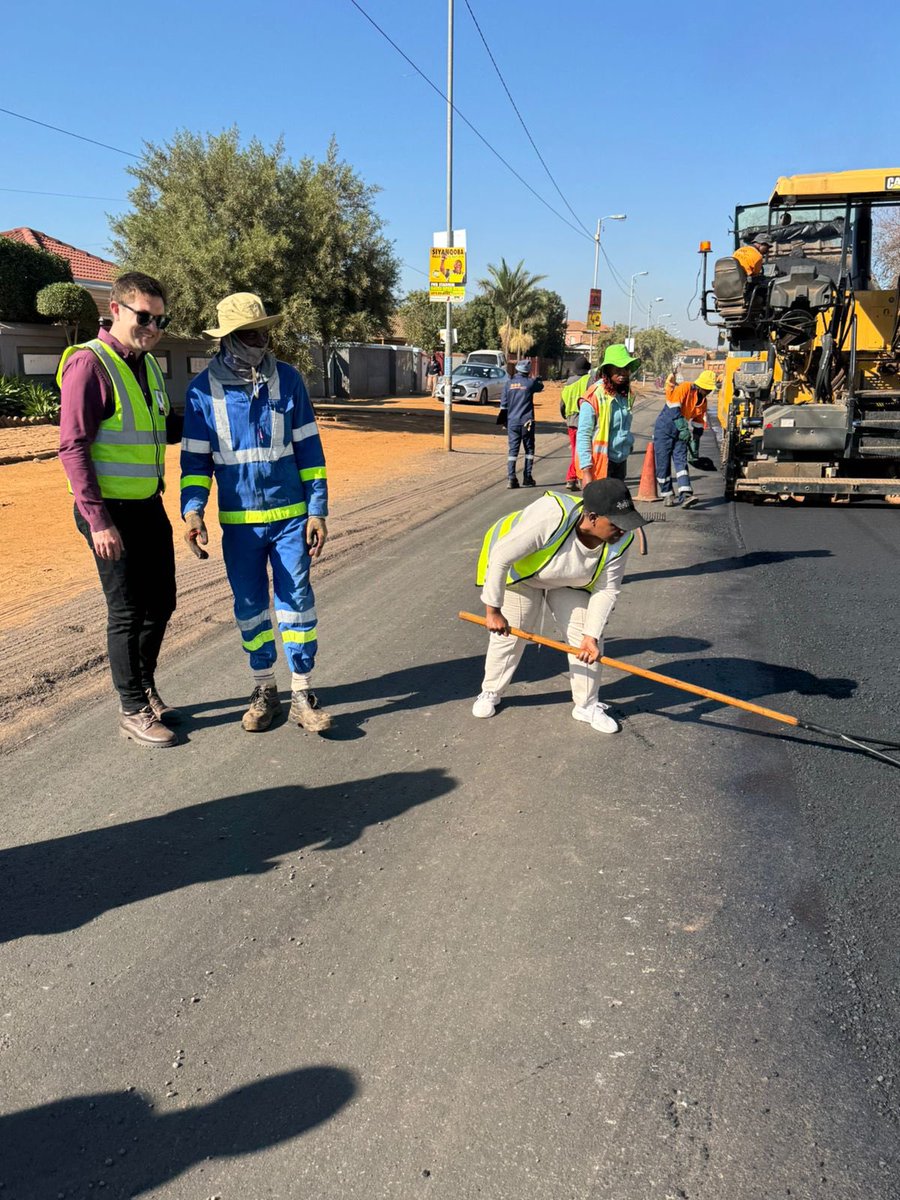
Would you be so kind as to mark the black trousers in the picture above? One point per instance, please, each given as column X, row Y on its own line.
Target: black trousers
column 140, row 593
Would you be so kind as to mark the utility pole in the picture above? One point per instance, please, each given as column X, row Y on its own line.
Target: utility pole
column 600, row 220
column 448, row 331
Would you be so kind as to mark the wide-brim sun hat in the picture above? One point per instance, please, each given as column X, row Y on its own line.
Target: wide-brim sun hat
column 706, row 381
column 617, row 356
column 242, row 310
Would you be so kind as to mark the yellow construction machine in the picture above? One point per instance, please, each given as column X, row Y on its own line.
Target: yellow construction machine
column 810, row 401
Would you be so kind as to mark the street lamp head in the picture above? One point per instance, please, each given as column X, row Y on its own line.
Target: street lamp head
column 615, row 217
column 658, row 299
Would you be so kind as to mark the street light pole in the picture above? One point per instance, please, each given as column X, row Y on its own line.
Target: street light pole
column 631, row 298
column 448, row 331
column 650, row 303
column 600, row 220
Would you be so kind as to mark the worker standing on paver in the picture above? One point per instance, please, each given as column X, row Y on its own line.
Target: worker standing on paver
column 676, row 436
column 249, row 422
column 604, row 439
column 569, row 553
column 517, row 413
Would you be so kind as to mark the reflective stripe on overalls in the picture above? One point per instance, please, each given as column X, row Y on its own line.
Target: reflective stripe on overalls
column 227, row 456
column 129, row 451
column 531, row 564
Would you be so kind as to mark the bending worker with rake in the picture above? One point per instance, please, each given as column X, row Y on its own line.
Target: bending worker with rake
column 570, row 553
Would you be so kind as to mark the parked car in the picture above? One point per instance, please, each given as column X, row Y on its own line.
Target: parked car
column 487, row 358
column 481, row 384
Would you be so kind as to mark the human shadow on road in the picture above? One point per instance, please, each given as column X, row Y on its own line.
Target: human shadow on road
column 426, row 685
column 736, row 562
column 743, row 678
column 62, row 883
column 115, row 1143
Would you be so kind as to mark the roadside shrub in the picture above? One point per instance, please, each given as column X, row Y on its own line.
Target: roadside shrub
column 41, row 402
column 26, row 398
column 12, row 400
column 23, row 272
column 70, row 305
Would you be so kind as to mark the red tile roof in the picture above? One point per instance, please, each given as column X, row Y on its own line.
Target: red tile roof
column 84, row 265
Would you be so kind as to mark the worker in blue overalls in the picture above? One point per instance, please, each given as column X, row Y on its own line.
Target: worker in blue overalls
column 248, row 421
column 517, row 414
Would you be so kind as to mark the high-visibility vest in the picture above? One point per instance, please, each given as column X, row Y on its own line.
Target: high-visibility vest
column 602, row 404
column 572, row 393
column 129, row 451
column 570, row 512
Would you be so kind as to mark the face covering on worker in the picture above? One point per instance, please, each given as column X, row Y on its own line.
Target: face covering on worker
column 245, row 350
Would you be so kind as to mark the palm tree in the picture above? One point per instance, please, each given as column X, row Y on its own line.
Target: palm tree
column 514, row 293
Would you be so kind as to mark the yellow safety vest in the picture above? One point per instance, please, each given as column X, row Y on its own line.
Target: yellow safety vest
column 129, row 451
column 531, row 564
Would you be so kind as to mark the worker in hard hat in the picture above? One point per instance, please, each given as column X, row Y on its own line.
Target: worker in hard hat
column 604, row 439
column 570, row 553
column 676, row 436
column 517, row 414
column 249, row 422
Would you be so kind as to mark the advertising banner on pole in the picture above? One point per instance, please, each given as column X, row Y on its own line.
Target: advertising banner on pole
column 447, row 268
column 595, row 319
column 595, row 301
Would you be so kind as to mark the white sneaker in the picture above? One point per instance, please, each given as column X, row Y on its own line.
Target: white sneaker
column 486, row 704
column 595, row 716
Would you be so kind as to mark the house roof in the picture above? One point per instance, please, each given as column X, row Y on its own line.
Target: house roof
column 84, row 265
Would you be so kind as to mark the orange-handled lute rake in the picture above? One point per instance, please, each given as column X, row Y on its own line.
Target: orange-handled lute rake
column 771, row 713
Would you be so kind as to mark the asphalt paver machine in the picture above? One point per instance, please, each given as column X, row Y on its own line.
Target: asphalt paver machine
column 810, row 400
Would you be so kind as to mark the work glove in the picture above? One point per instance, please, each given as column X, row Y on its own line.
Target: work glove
column 684, row 430
column 502, row 416
column 195, row 532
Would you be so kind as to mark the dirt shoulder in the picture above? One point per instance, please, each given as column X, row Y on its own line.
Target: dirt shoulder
column 387, row 472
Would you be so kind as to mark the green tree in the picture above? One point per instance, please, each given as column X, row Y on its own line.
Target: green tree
column 69, row 305
column 513, row 291
column 421, row 321
column 210, row 216
column 656, row 349
column 610, row 337
column 549, row 328
column 476, row 325
column 23, row 272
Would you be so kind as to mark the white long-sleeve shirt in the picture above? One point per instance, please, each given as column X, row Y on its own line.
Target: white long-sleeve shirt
column 572, row 566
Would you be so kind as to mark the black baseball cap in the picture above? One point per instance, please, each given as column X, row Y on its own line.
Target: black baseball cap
column 611, row 498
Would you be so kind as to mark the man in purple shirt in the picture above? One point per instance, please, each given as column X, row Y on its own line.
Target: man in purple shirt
column 114, row 425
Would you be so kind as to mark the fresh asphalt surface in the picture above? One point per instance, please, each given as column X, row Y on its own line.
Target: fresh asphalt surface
column 429, row 956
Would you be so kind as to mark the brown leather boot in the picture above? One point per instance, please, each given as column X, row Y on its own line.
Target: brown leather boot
column 306, row 712
column 144, row 728
column 162, row 711
column 264, row 708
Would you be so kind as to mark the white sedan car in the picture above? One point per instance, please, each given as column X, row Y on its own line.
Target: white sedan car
column 478, row 384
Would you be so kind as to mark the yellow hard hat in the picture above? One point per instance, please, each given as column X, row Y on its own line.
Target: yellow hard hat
column 706, row 381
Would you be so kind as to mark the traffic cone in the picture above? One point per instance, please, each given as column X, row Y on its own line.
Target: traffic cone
column 647, row 492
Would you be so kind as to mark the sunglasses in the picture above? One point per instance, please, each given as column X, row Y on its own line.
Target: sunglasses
column 144, row 318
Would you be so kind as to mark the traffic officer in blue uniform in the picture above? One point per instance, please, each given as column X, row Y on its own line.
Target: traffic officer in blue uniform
column 249, row 422
column 517, row 414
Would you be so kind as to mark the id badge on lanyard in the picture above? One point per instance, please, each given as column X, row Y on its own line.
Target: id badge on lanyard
column 160, row 400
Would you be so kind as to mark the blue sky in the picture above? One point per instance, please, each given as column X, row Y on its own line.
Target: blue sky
column 671, row 121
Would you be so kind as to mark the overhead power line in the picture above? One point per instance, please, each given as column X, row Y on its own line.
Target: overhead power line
column 68, row 133
column 466, row 121
column 522, row 123
column 62, row 195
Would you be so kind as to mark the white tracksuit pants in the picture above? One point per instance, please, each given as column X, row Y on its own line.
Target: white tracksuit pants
column 522, row 608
